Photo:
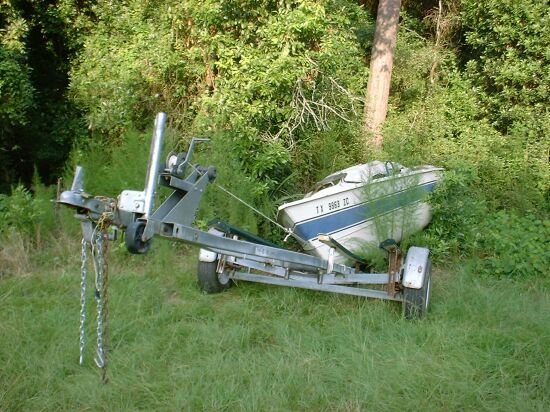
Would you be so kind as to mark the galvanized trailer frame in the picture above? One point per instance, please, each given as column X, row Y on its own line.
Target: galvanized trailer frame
column 224, row 258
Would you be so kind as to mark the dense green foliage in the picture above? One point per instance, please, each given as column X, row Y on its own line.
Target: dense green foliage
column 514, row 245
column 219, row 70
column 507, row 59
column 37, row 123
column 277, row 81
column 508, row 65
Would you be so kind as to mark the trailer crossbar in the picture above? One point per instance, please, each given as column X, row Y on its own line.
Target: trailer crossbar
column 345, row 290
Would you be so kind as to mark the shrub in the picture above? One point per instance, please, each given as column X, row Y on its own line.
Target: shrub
column 507, row 57
column 513, row 245
column 224, row 68
column 458, row 208
column 18, row 211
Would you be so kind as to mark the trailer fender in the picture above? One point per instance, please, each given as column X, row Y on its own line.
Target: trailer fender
column 415, row 267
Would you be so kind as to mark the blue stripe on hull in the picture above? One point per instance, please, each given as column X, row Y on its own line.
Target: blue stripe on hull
column 360, row 213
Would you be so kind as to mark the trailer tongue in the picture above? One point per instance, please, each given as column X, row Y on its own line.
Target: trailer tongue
column 228, row 253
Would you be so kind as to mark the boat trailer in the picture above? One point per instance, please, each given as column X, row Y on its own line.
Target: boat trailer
column 228, row 253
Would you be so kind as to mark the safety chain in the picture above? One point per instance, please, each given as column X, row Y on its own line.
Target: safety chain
column 97, row 251
column 99, row 247
column 83, row 270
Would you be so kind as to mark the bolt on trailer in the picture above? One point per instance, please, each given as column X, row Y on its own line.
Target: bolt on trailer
column 228, row 253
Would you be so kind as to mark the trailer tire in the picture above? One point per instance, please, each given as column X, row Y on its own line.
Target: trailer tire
column 132, row 238
column 209, row 280
column 416, row 301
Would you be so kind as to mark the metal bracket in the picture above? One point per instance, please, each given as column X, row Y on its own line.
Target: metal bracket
column 395, row 261
column 180, row 207
column 333, row 243
column 132, row 201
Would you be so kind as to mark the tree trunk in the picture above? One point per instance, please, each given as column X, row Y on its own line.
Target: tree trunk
column 381, row 63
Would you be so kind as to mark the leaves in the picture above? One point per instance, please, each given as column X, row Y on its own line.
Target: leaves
column 508, row 44
column 513, row 245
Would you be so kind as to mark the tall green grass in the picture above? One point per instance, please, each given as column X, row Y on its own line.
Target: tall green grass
column 484, row 346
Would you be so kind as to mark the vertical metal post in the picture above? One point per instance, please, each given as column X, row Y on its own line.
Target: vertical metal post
column 78, row 180
column 154, row 161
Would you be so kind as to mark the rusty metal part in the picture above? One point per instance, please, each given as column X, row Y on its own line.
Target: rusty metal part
column 395, row 261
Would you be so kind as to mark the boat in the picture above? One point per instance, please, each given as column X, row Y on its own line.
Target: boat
column 359, row 207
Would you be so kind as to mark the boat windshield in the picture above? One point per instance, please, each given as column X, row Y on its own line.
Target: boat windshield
column 327, row 182
column 372, row 171
column 359, row 174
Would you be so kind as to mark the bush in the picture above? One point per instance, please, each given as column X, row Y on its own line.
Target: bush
column 19, row 212
column 225, row 68
column 513, row 245
column 28, row 213
column 507, row 57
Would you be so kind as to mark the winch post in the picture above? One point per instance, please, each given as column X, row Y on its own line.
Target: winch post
column 78, row 180
column 154, row 161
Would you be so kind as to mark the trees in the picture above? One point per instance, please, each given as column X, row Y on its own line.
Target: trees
column 16, row 89
column 278, row 82
column 381, row 64
column 37, row 122
column 506, row 57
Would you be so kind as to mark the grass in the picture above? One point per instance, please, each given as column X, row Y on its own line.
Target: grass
column 484, row 346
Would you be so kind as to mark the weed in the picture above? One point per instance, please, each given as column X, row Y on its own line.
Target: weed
column 14, row 254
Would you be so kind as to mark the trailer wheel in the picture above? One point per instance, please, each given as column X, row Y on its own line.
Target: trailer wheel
column 416, row 301
column 132, row 238
column 209, row 280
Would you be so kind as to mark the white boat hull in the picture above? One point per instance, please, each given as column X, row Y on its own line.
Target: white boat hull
column 361, row 214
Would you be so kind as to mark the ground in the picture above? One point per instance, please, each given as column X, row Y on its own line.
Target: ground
column 485, row 344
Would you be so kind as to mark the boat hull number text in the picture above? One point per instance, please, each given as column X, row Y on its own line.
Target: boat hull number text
column 332, row 205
